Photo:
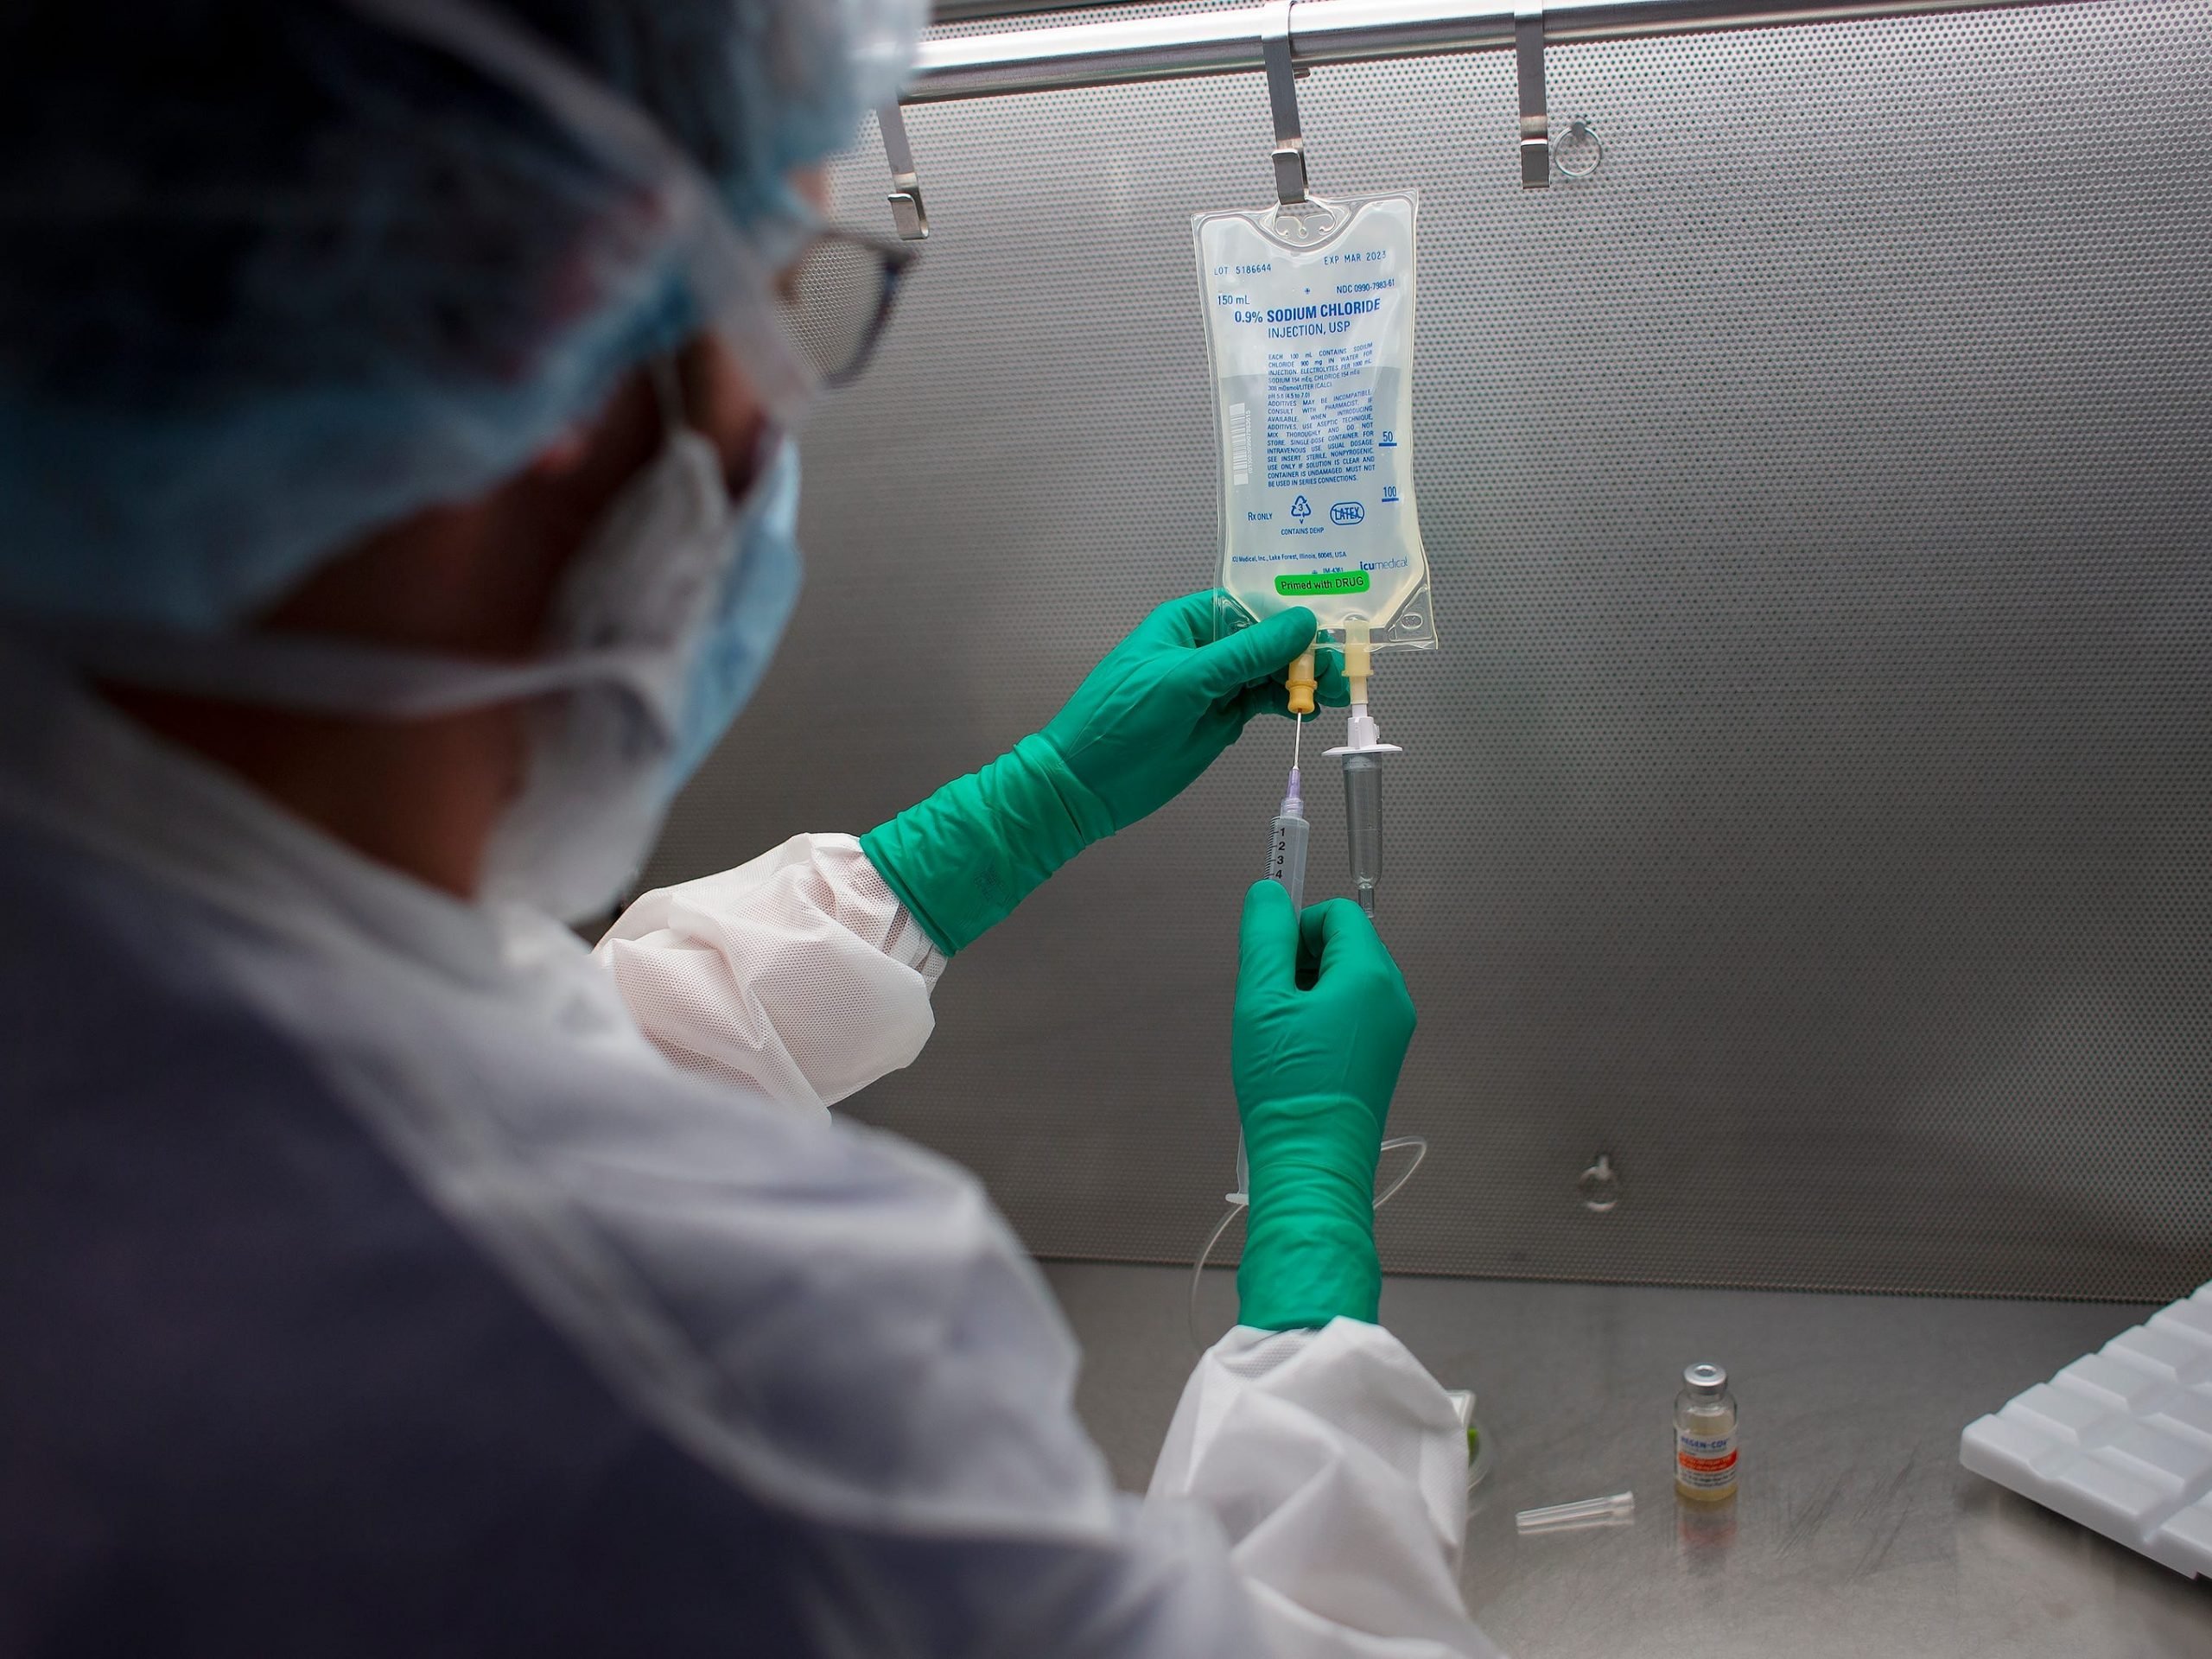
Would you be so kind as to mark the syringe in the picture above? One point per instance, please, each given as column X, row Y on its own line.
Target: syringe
column 1287, row 836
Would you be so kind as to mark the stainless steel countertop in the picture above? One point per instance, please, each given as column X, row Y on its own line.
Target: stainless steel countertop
column 1855, row 1531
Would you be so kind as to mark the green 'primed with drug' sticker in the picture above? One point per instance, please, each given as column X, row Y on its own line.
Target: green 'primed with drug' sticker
column 1326, row 582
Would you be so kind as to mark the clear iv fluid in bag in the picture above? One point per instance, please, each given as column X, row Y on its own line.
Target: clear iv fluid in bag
column 1309, row 315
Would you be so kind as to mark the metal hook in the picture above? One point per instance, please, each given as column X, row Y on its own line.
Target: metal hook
column 1535, row 118
column 905, row 197
column 1600, row 1186
column 1289, row 153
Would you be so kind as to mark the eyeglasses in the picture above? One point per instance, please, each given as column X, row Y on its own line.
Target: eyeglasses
column 836, row 301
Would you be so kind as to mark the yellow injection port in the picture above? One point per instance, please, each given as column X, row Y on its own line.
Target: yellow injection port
column 1302, row 682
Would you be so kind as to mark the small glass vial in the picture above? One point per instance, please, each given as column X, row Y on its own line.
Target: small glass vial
column 1705, row 1436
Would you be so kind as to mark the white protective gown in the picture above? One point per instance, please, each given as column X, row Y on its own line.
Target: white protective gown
column 831, row 1320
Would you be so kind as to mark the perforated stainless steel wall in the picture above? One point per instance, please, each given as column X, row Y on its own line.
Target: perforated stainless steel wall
column 1812, row 805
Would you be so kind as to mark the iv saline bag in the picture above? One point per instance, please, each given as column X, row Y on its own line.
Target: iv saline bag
column 1310, row 328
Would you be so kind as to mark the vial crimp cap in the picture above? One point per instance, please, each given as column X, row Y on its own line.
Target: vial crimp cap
column 1706, row 1379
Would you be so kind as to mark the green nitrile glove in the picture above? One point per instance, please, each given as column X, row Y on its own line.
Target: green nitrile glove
column 1137, row 733
column 1171, row 697
column 1322, row 1023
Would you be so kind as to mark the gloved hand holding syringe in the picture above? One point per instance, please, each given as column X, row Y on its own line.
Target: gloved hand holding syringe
column 1288, row 839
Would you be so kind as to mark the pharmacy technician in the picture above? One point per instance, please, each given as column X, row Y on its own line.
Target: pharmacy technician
column 397, row 498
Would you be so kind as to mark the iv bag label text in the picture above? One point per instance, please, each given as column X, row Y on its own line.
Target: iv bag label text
column 1320, row 416
column 1317, row 583
column 1309, row 337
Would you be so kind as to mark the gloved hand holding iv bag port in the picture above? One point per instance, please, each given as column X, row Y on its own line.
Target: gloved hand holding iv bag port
column 1138, row 731
column 1309, row 311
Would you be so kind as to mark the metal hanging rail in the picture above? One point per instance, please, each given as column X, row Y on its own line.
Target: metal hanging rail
column 1053, row 58
column 1285, row 38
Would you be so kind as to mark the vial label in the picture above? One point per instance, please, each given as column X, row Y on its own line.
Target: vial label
column 1705, row 1464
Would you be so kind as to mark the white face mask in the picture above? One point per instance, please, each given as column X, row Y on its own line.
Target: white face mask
column 694, row 592
column 659, row 634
